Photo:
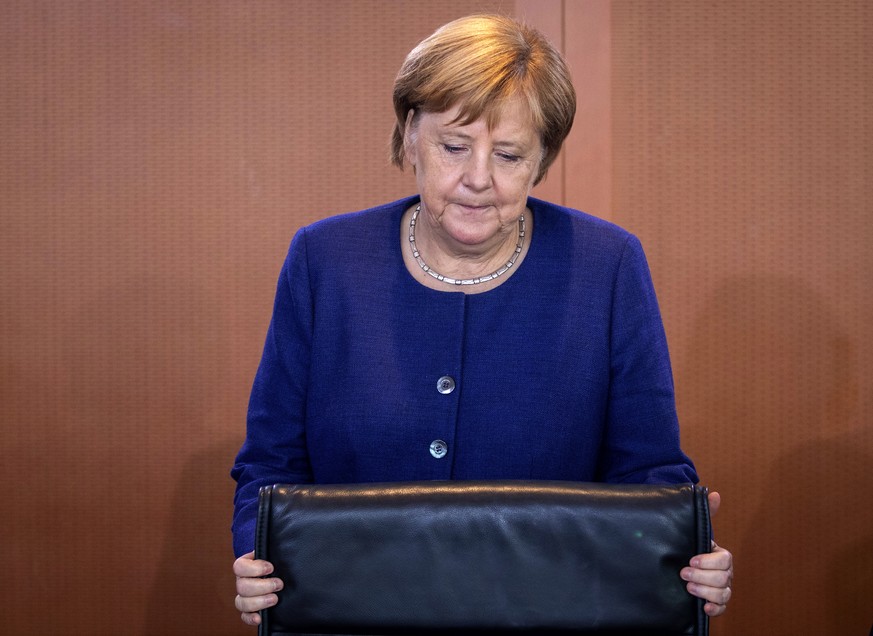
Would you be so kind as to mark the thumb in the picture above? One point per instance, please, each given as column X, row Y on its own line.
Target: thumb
column 714, row 503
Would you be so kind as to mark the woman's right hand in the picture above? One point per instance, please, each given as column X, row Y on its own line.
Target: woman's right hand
column 254, row 593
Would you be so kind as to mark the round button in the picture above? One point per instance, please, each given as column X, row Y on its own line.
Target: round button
column 446, row 384
column 438, row 448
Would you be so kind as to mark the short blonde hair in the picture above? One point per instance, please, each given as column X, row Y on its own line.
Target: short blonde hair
column 479, row 62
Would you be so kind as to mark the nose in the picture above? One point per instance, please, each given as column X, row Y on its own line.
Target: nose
column 477, row 172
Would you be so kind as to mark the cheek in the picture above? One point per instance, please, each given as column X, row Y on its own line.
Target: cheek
column 517, row 186
column 437, row 175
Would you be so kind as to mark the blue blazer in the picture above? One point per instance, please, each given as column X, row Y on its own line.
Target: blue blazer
column 561, row 372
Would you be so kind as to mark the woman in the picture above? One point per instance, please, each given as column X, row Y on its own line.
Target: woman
column 470, row 331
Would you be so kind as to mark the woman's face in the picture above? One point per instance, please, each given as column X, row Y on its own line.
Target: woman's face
column 474, row 182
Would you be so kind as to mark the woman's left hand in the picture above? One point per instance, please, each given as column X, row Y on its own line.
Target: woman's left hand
column 710, row 575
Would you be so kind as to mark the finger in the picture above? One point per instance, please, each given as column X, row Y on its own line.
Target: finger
column 710, row 578
column 246, row 586
column 714, row 609
column 718, row 559
column 713, row 595
column 251, row 618
column 247, row 565
column 249, row 604
column 714, row 503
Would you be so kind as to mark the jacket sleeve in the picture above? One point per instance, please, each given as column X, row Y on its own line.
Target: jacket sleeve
column 641, row 443
column 274, row 450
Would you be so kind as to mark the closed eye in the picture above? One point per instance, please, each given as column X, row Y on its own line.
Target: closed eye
column 505, row 156
column 453, row 150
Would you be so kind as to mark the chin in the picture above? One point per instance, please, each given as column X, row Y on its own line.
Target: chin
column 471, row 226
column 473, row 236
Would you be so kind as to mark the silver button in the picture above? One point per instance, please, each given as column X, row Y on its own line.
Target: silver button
column 438, row 448
column 446, row 384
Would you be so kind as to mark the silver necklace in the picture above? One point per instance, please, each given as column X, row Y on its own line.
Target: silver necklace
column 464, row 281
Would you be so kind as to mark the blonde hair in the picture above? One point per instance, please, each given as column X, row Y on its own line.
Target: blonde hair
column 479, row 62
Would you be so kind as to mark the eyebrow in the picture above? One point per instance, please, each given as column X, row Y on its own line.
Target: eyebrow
column 516, row 145
column 455, row 133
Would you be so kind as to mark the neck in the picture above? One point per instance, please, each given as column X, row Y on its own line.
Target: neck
column 453, row 262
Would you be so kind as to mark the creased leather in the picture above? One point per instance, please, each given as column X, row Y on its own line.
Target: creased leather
column 488, row 557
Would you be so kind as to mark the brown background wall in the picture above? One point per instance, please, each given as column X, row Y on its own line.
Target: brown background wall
column 156, row 158
column 742, row 158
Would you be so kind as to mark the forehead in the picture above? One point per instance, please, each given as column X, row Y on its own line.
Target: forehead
column 511, row 118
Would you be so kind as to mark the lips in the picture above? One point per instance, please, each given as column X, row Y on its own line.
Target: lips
column 473, row 207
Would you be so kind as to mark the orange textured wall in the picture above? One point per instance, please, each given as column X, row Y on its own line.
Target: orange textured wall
column 156, row 158
column 742, row 158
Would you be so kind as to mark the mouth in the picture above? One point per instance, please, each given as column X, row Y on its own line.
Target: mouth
column 472, row 207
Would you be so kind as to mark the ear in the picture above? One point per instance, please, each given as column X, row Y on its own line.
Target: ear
column 409, row 138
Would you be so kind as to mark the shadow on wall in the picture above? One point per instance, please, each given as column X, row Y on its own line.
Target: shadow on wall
column 153, row 353
column 194, row 586
column 772, row 377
